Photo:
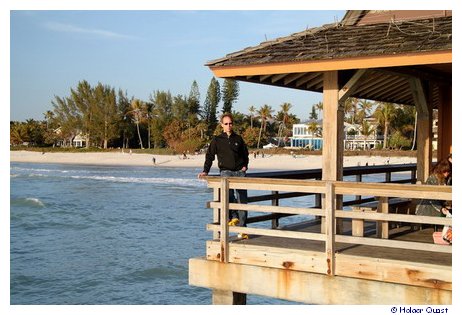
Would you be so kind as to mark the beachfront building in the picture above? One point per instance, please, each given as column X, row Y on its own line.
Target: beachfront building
column 307, row 135
column 379, row 252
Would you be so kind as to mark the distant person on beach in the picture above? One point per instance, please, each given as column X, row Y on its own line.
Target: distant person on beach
column 439, row 176
column 153, row 160
column 233, row 161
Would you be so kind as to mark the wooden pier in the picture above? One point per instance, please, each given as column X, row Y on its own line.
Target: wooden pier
column 377, row 253
column 323, row 260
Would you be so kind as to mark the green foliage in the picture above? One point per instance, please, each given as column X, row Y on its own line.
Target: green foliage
column 313, row 114
column 210, row 105
column 230, row 93
column 250, row 136
column 399, row 142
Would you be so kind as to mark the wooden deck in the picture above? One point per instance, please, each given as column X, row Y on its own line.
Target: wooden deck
column 315, row 262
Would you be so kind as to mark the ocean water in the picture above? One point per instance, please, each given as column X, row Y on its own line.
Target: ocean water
column 108, row 235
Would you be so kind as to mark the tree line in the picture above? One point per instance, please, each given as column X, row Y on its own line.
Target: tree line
column 109, row 118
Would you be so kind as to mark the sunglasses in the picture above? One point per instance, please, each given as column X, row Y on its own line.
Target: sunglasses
column 226, row 124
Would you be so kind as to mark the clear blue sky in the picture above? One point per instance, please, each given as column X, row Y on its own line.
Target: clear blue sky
column 143, row 51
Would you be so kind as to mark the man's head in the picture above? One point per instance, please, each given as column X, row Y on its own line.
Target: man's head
column 226, row 121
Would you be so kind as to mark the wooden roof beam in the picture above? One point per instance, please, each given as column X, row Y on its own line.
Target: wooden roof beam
column 363, row 62
column 278, row 77
column 351, row 85
column 292, row 77
column 306, row 78
column 410, row 72
column 264, row 77
column 392, row 84
column 373, row 83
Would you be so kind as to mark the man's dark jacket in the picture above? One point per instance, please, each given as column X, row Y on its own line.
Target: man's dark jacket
column 232, row 153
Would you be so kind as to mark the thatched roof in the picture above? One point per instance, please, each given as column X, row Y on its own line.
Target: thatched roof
column 334, row 41
column 298, row 61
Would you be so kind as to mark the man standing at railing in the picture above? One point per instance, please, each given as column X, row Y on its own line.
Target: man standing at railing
column 233, row 160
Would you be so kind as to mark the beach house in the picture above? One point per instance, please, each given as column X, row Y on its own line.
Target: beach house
column 359, row 242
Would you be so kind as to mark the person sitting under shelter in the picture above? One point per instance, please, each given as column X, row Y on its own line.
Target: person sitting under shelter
column 440, row 174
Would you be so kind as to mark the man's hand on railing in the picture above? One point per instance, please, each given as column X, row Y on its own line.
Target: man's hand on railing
column 201, row 175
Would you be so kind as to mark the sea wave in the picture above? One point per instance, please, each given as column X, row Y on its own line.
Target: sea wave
column 31, row 202
column 146, row 180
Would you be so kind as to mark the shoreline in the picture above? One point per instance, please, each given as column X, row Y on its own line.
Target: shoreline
column 269, row 162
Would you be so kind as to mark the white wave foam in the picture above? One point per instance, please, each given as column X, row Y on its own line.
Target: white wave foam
column 35, row 201
column 147, row 180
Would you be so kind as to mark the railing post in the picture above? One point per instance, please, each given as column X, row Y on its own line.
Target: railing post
column 359, row 178
column 275, row 202
column 383, row 226
column 330, row 206
column 216, row 211
column 388, row 177
column 224, row 229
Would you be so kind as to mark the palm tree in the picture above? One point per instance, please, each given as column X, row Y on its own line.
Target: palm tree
column 138, row 109
column 252, row 110
column 285, row 109
column 264, row 113
column 385, row 113
column 365, row 108
column 351, row 107
column 319, row 107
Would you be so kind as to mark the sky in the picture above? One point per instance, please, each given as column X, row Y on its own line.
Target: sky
column 144, row 51
column 51, row 48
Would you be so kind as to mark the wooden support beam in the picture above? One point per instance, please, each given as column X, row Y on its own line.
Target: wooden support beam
column 444, row 121
column 333, row 115
column 330, row 228
column 424, row 122
column 223, row 297
column 383, row 227
column 216, row 211
column 278, row 77
column 224, row 235
column 350, row 86
column 292, row 77
column 308, row 287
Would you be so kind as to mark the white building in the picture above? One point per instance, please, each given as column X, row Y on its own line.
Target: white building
column 304, row 137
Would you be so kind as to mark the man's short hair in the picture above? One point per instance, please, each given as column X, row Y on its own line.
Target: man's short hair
column 226, row 115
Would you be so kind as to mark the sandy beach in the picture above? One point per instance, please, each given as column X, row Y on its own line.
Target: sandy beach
column 269, row 162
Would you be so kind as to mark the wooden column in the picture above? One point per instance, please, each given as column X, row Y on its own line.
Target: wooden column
column 424, row 130
column 332, row 135
column 444, row 122
column 223, row 297
column 332, row 129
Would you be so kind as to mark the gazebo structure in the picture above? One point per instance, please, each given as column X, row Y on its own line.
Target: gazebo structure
column 402, row 57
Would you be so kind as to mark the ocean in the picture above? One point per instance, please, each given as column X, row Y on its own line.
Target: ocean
column 108, row 235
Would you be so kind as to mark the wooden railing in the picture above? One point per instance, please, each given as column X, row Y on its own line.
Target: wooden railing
column 357, row 171
column 330, row 211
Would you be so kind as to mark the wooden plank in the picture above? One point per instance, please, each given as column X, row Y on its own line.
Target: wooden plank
column 271, row 232
column 424, row 275
column 364, row 62
column 394, row 244
column 275, row 209
column 394, row 190
column 393, row 217
column 307, row 287
column 224, row 215
column 380, row 269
